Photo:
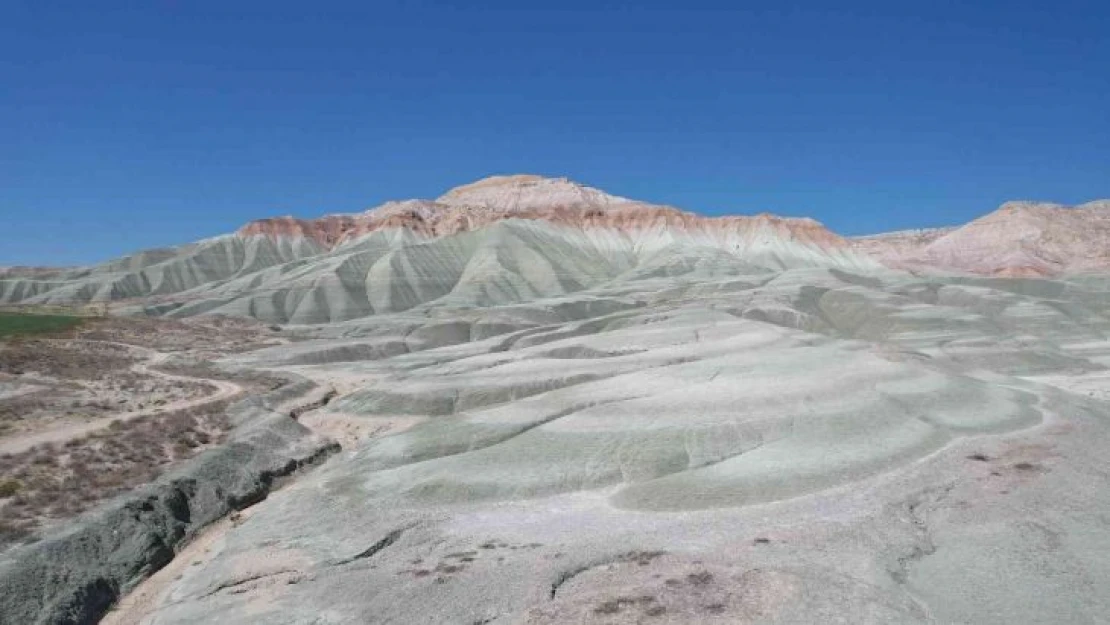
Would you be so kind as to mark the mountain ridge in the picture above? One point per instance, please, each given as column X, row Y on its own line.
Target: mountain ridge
column 506, row 239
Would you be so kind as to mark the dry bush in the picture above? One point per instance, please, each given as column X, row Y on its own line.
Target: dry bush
column 9, row 487
column 60, row 481
column 254, row 382
column 217, row 334
column 74, row 361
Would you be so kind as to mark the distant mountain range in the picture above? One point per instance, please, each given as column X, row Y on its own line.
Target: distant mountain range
column 506, row 239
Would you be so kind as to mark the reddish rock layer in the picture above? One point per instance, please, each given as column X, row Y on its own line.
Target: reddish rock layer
column 1019, row 239
column 529, row 197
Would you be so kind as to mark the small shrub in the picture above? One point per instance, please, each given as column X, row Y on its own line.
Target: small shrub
column 715, row 608
column 701, row 578
column 9, row 488
column 609, row 607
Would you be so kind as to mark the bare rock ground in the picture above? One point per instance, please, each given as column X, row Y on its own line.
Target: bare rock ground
column 818, row 447
column 532, row 402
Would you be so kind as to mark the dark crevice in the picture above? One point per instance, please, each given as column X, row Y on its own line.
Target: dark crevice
column 246, row 580
column 642, row 558
column 374, row 549
column 296, row 413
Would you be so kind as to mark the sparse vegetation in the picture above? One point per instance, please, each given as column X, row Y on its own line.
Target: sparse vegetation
column 69, row 360
column 18, row 324
column 609, row 607
column 55, row 482
column 94, row 378
column 218, row 335
column 254, row 382
column 614, row 606
column 9, row 487
column 642, row 558
column 80, row 381
column 701, row 578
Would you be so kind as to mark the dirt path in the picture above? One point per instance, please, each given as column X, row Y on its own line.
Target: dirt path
column 67, row 431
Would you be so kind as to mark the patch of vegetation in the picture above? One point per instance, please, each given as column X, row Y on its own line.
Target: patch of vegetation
column 58, row 482
column 9, row 487
column 700, row 578
column 68, row 360
column 613, row 606
column 715, row 608
column 13, row 324
column 642, row 558
column 253, row 381
column 608, row 607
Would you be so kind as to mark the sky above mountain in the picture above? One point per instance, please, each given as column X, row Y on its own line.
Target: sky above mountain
column 126, row 125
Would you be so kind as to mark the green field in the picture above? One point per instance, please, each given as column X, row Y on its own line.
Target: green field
column 26, row 324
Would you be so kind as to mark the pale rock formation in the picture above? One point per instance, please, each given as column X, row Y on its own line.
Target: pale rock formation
column 1018, row 239
column 500, row 240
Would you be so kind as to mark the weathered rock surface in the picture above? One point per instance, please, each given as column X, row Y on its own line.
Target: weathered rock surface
column 497, row 241
column 560, row 406
column 511, row 238
column 773, row 447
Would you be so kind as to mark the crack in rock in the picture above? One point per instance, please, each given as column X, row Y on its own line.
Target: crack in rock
column 917, row 509
column 640, row 557
column 324, row 400
column 374, row 549
column 246, row 580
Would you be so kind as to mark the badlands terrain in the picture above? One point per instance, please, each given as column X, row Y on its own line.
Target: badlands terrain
column 530, row 401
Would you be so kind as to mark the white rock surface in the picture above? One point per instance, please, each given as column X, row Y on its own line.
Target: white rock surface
column 620, row 413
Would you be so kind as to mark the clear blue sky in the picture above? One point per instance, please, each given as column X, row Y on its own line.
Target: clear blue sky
column 126, row 125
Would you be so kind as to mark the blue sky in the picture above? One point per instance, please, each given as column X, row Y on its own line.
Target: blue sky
column 126, row 125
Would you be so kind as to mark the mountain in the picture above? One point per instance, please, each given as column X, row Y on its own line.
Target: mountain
column 507, row 239
column 499, row 240
column 1020, row 239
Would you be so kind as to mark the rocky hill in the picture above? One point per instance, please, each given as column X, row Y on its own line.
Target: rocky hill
column 496, row 241
column 509, row 239
column 1020, row 239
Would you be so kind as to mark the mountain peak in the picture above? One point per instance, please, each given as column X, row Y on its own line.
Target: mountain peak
column 526, row 192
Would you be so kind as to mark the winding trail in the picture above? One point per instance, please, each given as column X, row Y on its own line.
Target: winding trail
column 63, row 432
